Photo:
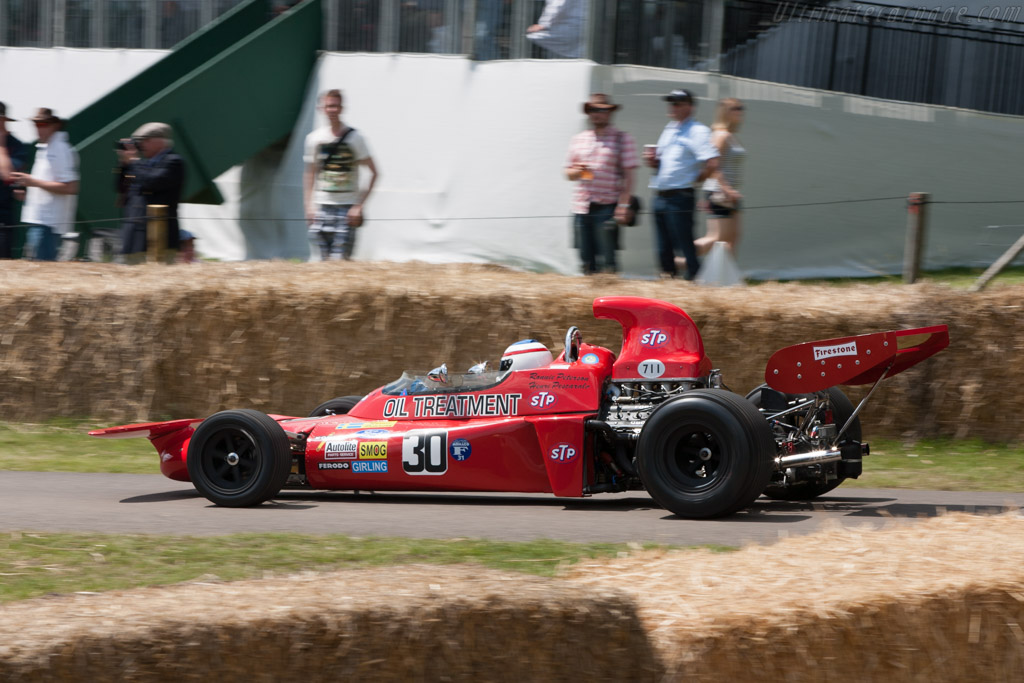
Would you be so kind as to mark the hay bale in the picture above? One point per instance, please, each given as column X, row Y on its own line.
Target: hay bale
column 936, row 600
column 423, row 623
column 152, row 342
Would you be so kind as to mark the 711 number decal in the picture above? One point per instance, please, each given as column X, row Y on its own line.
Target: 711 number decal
column 425, row 452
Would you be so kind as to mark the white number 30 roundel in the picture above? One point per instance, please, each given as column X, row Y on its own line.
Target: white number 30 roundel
column 651, row 368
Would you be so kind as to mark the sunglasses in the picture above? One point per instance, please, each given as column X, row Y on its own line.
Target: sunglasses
column 736, row 108
column 679, row 103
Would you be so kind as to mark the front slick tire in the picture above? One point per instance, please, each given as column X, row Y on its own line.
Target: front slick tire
column 705, row 454
column 239, row 458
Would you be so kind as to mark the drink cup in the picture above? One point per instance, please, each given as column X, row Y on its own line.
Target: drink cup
column 586, row 174
column 650, row 150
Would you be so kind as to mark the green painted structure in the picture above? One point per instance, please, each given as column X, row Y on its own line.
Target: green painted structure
column 229, row 91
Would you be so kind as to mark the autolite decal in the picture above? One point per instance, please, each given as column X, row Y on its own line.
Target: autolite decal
column 338, row 450
column 373, row 450
column 847, row 349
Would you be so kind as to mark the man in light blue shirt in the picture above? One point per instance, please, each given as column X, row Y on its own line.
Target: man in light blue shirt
column 683, row 158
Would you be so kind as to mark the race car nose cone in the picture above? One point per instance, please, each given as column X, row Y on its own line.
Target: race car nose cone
column 232, row 459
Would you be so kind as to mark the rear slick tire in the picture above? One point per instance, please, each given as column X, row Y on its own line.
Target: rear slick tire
column 239, row 458
column 708, row 453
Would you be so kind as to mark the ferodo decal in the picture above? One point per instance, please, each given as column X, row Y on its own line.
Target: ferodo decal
column 563, row 452
column 847, row 349
column 366, row 425
column 653, row 338
column 651, row 368
column 460, row 450
column 338, row 450
column 542, row 399
column 332, row 465
column 373, row 450
column 466, row 405
column 425, row 452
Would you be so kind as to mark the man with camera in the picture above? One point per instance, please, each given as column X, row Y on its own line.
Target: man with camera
column 151, row 174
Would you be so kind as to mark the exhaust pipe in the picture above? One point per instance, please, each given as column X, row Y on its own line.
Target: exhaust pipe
column 804, row 459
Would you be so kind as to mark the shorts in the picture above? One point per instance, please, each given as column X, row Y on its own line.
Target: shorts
column 330, row 230
column 720, row 210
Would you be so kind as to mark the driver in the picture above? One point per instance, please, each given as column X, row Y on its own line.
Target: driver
column 526, row 354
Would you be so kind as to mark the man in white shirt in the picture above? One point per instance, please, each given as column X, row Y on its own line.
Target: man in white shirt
column 51, row 193
column 683, row 157
column 332, row 195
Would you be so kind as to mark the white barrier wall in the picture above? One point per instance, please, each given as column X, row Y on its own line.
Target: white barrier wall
column 471, row 159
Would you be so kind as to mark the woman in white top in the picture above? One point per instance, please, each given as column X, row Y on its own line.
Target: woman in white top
column 722, row 189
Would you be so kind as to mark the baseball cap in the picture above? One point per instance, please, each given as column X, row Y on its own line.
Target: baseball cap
column 679, row 95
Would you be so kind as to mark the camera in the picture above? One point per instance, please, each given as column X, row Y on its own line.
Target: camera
column 119, row 145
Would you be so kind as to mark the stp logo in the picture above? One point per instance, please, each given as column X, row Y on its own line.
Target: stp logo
column 563, row 452
column 653, row 338
column 542, row 399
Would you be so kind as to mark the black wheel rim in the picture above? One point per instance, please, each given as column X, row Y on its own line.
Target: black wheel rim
column 230, row 460
column 694, row 461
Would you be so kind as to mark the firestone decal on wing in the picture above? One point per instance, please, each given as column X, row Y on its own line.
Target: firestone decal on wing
column 849, row 349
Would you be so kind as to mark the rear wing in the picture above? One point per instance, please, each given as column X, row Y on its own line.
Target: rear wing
column 864, row 359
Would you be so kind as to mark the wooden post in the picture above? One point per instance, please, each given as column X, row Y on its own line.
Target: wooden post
column 156, row 233
column 998, row 266
column 917, row 222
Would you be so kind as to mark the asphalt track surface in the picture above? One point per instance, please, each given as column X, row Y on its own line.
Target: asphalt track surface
column 152, row 504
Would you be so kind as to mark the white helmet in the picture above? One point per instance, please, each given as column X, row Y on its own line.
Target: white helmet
column 525, row 355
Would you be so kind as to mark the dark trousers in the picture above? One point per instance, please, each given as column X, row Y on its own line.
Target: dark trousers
column 596, row 233
column 7, row 235
column 673, row 220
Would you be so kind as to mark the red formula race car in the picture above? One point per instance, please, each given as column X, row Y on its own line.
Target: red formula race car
column 655, row 417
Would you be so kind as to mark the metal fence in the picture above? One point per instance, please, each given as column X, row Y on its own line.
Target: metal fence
column 902, row 53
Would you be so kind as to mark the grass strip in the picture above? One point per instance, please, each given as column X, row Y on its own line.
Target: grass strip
column 38, row 564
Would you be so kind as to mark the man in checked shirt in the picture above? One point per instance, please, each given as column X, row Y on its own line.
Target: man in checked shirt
column 602, row 161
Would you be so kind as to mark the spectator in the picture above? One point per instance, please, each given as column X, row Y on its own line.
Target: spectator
column 489, row 14
column 13, row 156
column 51, row 193
column 560, row 27
column 331, row 193
column 683, row 156
column 722, row 189
column 602, row 160
column 153, row 175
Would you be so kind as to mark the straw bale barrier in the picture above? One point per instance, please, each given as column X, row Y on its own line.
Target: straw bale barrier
column 937, row 600
column 416, row 623
column 154, row 342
